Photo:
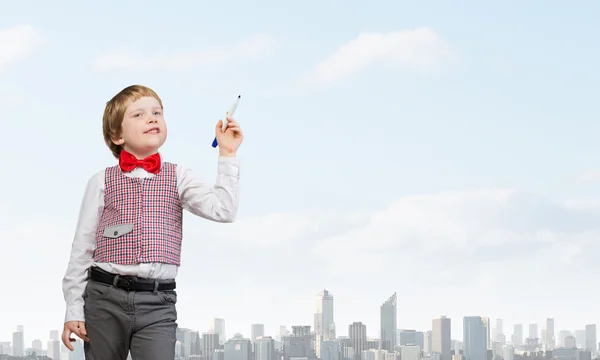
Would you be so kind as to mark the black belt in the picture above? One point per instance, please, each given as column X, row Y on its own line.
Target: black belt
column 130, row 283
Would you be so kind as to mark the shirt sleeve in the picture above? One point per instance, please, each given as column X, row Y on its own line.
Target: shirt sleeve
column 82, row 249
column 218, row 202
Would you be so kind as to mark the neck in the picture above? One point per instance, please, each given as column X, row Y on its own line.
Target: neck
column 140, row 154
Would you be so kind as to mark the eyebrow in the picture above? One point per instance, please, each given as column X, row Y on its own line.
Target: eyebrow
column 142, row 109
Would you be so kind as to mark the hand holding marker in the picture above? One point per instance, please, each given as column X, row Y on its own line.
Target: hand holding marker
column 230, row 114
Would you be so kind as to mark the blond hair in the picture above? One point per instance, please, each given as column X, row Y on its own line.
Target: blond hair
column 114, row 112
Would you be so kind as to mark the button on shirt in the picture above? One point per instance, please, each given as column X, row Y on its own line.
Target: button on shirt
column 218, row 202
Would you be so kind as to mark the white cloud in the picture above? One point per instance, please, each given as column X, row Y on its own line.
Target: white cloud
column 16, row 43
column 490, row 251
column 419, row 49
column 252, row 47
column 465, row 233
column 589, row 176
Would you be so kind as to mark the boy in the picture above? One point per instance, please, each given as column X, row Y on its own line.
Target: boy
column 119, row 285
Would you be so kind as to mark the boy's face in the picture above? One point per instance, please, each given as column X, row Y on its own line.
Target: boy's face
column 144, row 129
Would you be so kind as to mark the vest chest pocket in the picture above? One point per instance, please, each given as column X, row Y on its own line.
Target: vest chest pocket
column 116, row 231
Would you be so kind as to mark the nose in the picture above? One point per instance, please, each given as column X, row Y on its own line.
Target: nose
column 151, row 120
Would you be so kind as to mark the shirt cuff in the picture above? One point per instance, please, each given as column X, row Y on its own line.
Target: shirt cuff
column 229, row 166
column 74, row 313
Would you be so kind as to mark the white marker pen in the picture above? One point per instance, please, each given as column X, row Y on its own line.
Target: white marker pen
column 230, row 114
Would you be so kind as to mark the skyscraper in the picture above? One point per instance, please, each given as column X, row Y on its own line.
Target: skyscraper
column 474, row 338
column 590, row 339
column 218, row 326
column 19, row 342
column 548, row 330
column 358, row 337
column 256, row 330
column 517, row 337
column 441, row 337
column 324, row 326
column 388, row 324
column 533, row 331
column 324, row 314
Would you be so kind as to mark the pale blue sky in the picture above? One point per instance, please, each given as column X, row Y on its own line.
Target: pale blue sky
column 516, row 107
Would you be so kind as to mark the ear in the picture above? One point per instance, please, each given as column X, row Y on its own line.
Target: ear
column 118, row 140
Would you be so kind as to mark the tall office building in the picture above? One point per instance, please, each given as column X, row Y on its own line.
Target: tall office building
column 54, row 335
column 517, row 336
column 580, row 338
column 357, row 332
column 533, row 331
column 53, row 349
column 210, row 343
column 256, row 330
column 238, row 348
column 488, row 331
column 508, row 352
column 218, row 326
column 475, row 338
column 388, row 324
column 498, row 330
column 441, row 337
column 591, row 343
column 548, row 330
column 264, row 348
column 410, row 337
column 323, row 321
column 18, row 347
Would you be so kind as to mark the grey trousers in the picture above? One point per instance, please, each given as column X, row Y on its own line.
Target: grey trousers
column 120, row 321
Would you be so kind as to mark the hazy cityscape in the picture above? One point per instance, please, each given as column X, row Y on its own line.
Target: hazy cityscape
column 481, row 339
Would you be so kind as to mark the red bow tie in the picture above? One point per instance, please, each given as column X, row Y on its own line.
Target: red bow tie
column 128, row 162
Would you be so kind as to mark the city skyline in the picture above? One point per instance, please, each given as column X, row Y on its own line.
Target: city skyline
column 219, row 326
column 447, row 154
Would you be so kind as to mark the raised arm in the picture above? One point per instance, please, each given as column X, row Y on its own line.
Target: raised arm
column 218, row 202
column 82, row 250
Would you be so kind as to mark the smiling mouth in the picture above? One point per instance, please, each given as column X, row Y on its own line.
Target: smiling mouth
column 153, row 131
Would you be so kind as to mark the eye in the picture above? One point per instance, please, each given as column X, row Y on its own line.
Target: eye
column 157, row 113
column 137, row 115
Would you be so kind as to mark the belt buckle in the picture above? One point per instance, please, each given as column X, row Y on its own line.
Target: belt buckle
column 127, row 283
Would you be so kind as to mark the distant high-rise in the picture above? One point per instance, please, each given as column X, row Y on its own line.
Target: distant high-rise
column 562, row 337
column 441, row 337
column 488, row 339
column 53, row 350
column 237, row 348
column 508, row 352
column 548, row 330
column 410, row 337
column 475, row 338
column 324, row 326
column 256, row 330
column 570, row 342
column 498, row 330
column 590, row 339
column 517, row 337
column 580, row 338
column 324, row 314
column 36, row 345
column 54, row 335
column 358, row 337
column 18, row 347
column 427, row 342
column 264, row 348
column 533, row 331
column 218, row 326
column 210, row 343
column 388, row 324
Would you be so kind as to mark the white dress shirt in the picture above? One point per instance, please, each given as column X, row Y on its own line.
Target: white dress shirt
column 217, row 202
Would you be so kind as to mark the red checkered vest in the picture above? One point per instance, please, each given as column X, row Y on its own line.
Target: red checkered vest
column 142, row 218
